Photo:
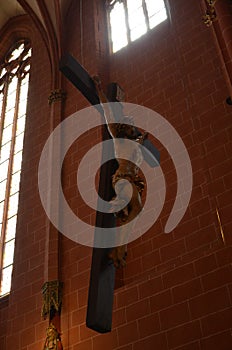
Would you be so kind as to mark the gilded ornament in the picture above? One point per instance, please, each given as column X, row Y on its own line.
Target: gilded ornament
column 56, row 95
column 210, row 13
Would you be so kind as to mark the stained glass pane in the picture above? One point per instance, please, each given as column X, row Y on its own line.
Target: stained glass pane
column 16, row 53
column 11, row 95
column 2, row 190
column 27, row 55
column 1, row 99
column 8, row 254
column 118, row 27
column 19, row 142
column 158, row 18
column 1, row 210
column 9, row 117
column 17, row 162
column 13, row 205
column 6, row 280
column 156, row 12
column 136, row 18
column 137, row 32
column 23, row 92
column 12, row 86
column 133, row 5
column 27, row 68
column 7, row 134
column 10, row 228
column 14, row 70
column 154, row 6
column 21, row 125
column 22, row 108
column 2, row 72
column 4, row 155
column 15, row 182
column 10, row 102
column 4, row 170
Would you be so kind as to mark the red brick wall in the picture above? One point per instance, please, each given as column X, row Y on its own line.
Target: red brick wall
column 177, row 288
column 188, row 272
column 176, row 291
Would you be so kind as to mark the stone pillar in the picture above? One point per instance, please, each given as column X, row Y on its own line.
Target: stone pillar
column 52, row 288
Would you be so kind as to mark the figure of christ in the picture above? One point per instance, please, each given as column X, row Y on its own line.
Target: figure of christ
column 126, row 177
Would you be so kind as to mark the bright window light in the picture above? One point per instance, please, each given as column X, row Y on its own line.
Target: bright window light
column 130, row 19
column 118, row 27
column 137, row 23
column 13, row 102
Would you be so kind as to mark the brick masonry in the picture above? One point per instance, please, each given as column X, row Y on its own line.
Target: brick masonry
column 176, row 291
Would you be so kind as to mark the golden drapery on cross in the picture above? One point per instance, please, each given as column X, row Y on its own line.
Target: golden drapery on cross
column 52, row 298
column 210, row 15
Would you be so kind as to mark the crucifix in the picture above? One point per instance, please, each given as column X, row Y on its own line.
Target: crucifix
column 102, row 276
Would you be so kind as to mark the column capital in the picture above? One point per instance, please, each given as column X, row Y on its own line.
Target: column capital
column 56, row 95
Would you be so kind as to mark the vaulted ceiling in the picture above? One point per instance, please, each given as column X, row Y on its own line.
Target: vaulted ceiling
column 12, row 8
column 8, row 9
column 47, row 15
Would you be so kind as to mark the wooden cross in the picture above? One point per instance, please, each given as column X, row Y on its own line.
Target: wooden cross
column 102, row 276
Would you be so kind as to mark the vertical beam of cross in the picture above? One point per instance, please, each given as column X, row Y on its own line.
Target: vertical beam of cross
column 102, row 275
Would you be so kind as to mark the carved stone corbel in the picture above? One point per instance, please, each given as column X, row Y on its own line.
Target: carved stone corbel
column 56, row 95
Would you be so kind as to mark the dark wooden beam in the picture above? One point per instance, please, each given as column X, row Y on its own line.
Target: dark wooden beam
column 78, row 76
column 102, row 276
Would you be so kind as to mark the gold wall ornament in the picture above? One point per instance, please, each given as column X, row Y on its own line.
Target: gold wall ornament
column 56, row 95
column 52, row 298
column 210, row 15
column 53, row 340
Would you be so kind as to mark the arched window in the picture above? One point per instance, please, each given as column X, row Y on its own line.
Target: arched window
column 130, row 19
column 14, row 78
